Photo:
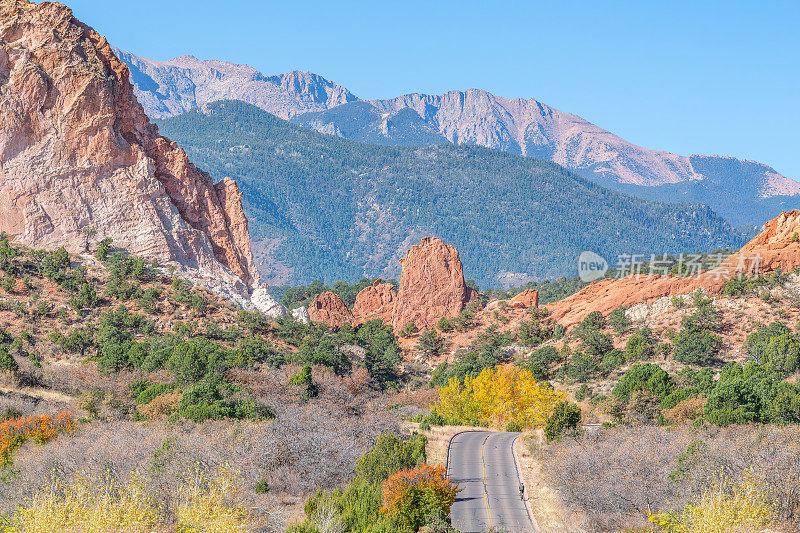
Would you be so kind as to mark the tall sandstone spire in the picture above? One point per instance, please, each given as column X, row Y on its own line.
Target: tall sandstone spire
column 77, row 150
column 431, row 285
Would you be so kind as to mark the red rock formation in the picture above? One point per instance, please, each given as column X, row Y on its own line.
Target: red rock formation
column 375, row 302
column 775, row 247
column 525, row 299
column 77, row 150
column 327, row 307
column 431, row 285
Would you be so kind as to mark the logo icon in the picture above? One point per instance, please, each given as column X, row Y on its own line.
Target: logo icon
column 591, row 266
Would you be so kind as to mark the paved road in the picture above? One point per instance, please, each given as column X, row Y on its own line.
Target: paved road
column 482, row 463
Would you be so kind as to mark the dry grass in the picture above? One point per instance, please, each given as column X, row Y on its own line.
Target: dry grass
column 611, row 481
column 298, row 453
column 204, row 502
column 438, row 439
column 544, row 500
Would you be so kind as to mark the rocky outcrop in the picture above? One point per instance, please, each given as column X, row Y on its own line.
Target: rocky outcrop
column 375, row 302
column 77, row 151
column 431, row 285
column 327, row 307
column 263, row 301
column 642, row 312
column 301, row 315
column 526, row 299
column 777, row 246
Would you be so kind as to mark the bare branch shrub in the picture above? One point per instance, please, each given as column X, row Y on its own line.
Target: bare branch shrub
column 612, row 480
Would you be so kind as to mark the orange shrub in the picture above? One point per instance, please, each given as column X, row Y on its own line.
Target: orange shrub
column 413, row 494
column 42, row 428
column 161, row 406
column 686, row 411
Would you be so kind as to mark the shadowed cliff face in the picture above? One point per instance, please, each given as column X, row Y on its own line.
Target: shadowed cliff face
column 77, row 150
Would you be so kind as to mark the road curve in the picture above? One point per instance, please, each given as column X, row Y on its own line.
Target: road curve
column 482, row 463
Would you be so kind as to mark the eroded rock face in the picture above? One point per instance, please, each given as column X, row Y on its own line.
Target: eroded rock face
column 775, row 247
column 431, row 286
column 77, row 150
column 301, row 315
column 526, row 299
column 375, row 302
column 263, row 301
column 327, row 307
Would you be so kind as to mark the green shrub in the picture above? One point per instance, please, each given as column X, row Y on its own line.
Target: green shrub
column 149, row 299
column 534, row 332
column 486, row 352
column 5, row 337
column 581, row 367
column 303, row 380
column 78, row 341
column 103, row 249
column 583, row 392
column 594, row 321
column 619, row 321
column 214, row 399
column 86, row 297
column 324, row 350
column 148, row 394
column 776, row 345
column 390, row 454
column 262, row 487
column 55, row 265
column 697, row 341
column 611, row 361
column 647, row 377
column 752, row 393
column 138, row 387
column 191, row 360
column 409, row 329
column 444, row 325
column 539, row 362
column 597, row 344
column 677, row 396
column 697, row 347
column 640, row 345
column 566, row 416
column 431, row 344
column 7, row 361
column 358, row 507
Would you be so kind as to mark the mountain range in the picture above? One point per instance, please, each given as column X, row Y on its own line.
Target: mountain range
column 323, row 207
column 744, row 192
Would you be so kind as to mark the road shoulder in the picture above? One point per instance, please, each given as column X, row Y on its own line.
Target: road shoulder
column 544, row 501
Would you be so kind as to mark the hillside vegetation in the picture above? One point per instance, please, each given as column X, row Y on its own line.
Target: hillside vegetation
column 322, row 207
column 133, row 400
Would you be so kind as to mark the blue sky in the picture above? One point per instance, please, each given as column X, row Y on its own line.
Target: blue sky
column 686, row 77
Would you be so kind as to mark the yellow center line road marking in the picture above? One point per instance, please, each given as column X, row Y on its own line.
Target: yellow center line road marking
column 485, row 491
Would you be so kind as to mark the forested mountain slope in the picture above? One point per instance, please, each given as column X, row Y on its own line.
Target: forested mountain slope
column 743, row 192
column 323, row 207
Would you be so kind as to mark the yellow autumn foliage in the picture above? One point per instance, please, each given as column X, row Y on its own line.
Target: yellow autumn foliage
column 133, row 505
column 498, row 396
column 205, row 503
column 723, row 508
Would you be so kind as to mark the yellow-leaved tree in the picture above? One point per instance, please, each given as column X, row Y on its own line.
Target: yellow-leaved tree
column 498, row 396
